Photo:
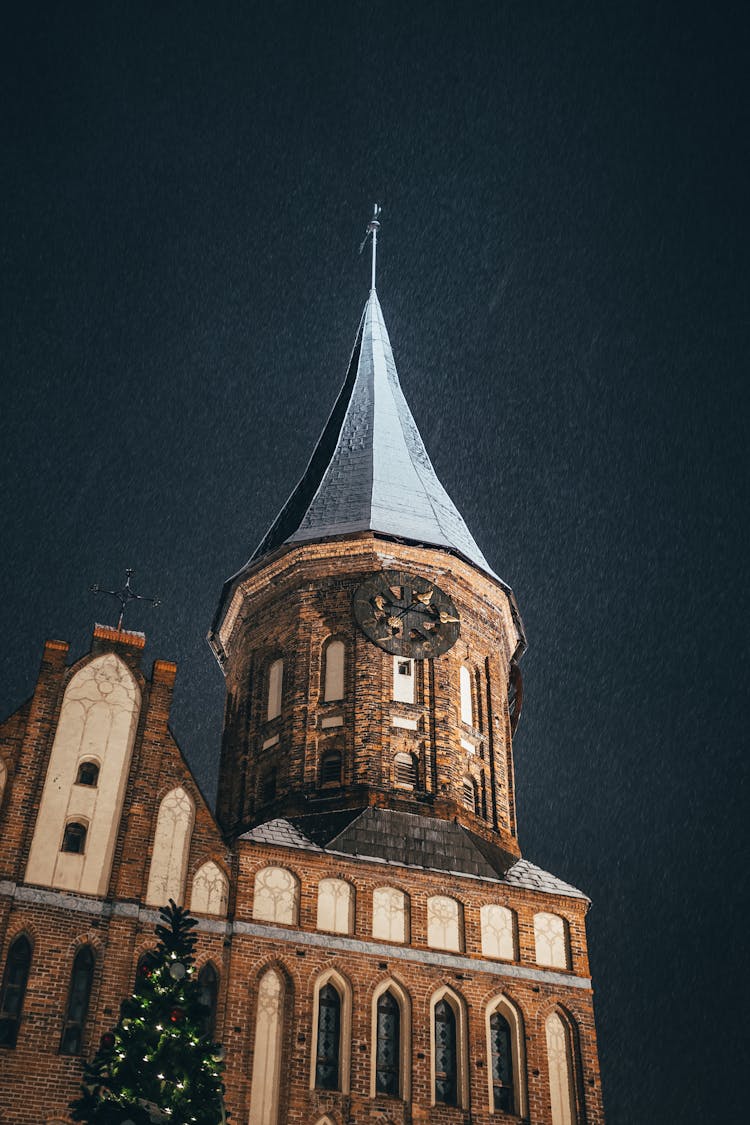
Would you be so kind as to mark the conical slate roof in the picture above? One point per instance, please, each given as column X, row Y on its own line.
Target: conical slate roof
column 370, row 470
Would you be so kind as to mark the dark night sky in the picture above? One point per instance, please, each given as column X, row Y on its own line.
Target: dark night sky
column 564, row 267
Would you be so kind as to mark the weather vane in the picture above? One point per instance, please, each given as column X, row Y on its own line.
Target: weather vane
column 372, row 229
column 124, row 596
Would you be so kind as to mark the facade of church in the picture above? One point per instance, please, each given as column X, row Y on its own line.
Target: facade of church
column 371, row 943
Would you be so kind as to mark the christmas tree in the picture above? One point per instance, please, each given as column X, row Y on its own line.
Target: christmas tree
column 158, row 1064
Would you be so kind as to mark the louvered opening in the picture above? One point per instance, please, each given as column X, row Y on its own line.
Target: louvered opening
column 470, row 799
column 405, row 770
column 330, row 768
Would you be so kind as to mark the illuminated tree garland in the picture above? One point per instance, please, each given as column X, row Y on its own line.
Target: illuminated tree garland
column 158, row 1065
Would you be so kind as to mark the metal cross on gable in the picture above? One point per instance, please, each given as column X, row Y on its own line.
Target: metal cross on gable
column 124, row 596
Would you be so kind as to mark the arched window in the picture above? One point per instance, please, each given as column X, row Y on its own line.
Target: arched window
column 443, row 923
column 333, row 682
column 560, row 1060
column 446, row 1054
column 388, row 1046
column 390, row 914
column 276, row 897
column 335, row 906
column 81, row 980
column 469, row 794
column 330, row 768
column 74, row 838
column 14, row 989
column 275, row 684
column 328, row 1043
column 88, row 774
column 266, row 1080
column 467, row 713
column 501, row 1064
column 498, row 932
column 210, row 890
column 505, row 1055
column 174, row 828
column 550, row 938
column 208, row 982
column 405, row 770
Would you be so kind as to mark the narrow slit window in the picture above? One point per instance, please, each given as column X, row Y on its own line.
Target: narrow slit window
column 327, row 1063
column 268, row 787
column 467, row 714
column 469, row 794
column 388, row 1047
column 13, row 990
column 208, row 982
column 81, row 980
column 446, row 1060
column 502, row 1064
column 333, row 684
column 275, row 685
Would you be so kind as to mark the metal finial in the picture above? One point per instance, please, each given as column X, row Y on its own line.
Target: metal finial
column 124, row 596
column 372, row 229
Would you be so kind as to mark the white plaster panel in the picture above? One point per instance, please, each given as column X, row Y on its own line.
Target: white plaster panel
column 98, row 720
column 498, row 938
column 334, row 674
column 443, row 923
column 550, row 940
column 169, row 857
column 335, row 906
column 276, row 897
column 266, row 1079
column 389, row 914
column 560, row 1071
column 210, row 892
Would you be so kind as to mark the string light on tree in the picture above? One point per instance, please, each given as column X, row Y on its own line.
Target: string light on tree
column 158, row 1064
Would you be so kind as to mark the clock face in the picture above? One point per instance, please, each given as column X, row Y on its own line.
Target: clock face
column 406, row 615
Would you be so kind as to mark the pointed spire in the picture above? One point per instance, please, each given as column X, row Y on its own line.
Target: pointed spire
column 370, row 470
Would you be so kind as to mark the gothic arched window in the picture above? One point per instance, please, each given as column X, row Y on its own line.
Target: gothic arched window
column 208, row 982
column 81, row 980
column 405, row 769
column 88, row 774
column 74, row 838
column 446, row 1054
column 14, row 989
column 444, row 923
column 388, row 1046
column 333, row 680
column 498, row 932
column 275, row 685
column 328, row 1045
column 147, row 962
column 502, row 1064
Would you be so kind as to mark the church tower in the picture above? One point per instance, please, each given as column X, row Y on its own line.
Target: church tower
column 373, row 690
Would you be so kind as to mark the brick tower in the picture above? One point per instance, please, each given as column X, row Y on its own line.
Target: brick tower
column 409, row 965
column 372, row 948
